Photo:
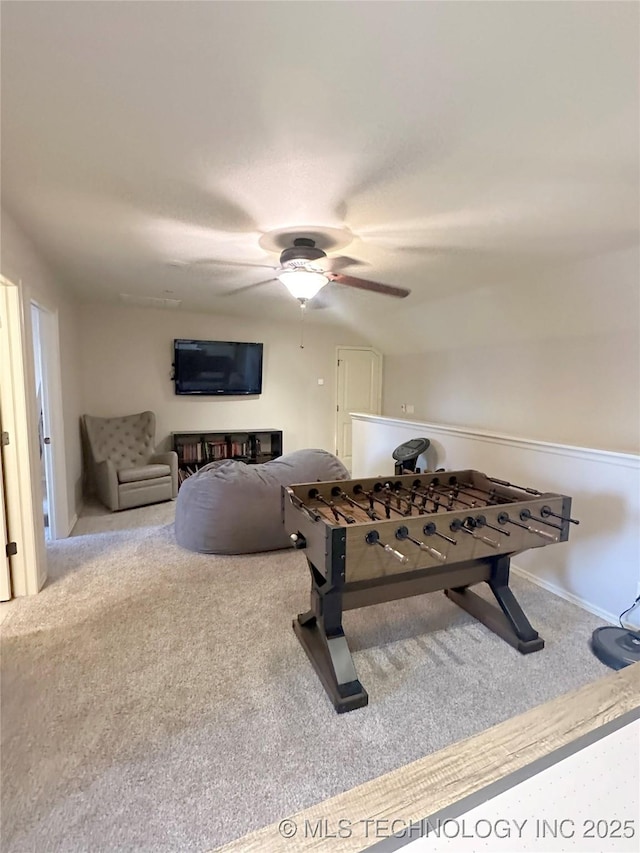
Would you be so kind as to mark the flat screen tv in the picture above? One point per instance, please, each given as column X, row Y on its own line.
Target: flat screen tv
column 217, row 367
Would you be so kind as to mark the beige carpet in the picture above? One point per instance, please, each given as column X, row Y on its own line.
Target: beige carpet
column 155, row 699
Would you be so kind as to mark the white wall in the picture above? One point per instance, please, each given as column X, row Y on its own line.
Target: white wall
column 554, row 357
column 126, row 360
column 20, row 261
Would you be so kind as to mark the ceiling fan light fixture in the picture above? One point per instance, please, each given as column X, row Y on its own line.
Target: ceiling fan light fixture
column 303, row 284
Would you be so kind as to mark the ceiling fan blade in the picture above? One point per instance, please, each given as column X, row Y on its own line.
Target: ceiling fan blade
column 220, row 262
column 373, row 286
column 247, row 287
column 376, row 171
column 339, row 262
column 456, row 251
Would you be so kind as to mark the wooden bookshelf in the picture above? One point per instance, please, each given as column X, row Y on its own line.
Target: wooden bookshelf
column 200, row 447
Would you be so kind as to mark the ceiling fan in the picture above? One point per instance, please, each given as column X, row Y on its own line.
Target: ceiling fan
column 305, row 269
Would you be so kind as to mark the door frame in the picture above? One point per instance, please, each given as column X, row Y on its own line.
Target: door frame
column 55, row 462
column 377, row 352
column 5, row 563
column 23, row 491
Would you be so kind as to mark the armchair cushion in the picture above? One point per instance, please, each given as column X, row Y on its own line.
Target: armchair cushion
column 144, row 472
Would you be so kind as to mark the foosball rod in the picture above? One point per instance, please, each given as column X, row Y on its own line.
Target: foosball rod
column 391, row 493
column 337, row 513
column 503, row 518
column 372, row 498
column 546, row 511
column 525, row 515
column 513, row 486
column 456, row 487
column 451, row 497
column 402, row 533
column 312, row 513
column 467, row 526
column 338, row 493
column 373, row 538
column 421, row 507
column 453, row 490
column 430, row 497
column 390, row 489
column 431, row 530
column 481, row 521
column 494, row 496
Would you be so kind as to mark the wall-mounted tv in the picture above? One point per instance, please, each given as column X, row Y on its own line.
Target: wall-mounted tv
column 217, row 367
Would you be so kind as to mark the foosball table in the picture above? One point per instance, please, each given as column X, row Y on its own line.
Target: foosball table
column 375, row 539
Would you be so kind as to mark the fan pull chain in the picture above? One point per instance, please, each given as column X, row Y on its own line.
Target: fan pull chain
column 303, row 303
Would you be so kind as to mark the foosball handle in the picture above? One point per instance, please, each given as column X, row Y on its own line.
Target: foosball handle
column 473, row 526
column 373, row 538
column 503, row 518
column 400, row 557
column 403, row 533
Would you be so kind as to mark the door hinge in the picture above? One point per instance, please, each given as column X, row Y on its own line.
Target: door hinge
column 5, row 439
column 11, row 549
column 337, row 408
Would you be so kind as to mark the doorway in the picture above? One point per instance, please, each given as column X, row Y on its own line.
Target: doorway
column 50, row 429
column 42, row 415
column 359, row 385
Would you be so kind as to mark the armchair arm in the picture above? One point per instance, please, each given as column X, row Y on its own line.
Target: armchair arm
column 107, row 484
column 169, row 458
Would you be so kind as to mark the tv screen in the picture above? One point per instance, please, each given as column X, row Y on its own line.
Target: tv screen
column 217, row 367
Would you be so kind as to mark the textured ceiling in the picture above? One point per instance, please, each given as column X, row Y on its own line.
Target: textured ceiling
column 459, row 142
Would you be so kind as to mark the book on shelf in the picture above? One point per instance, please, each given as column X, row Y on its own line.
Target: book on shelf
column 197, row 450
column 215, row 450
column 190, row 452
column 184, row 473
column 240, row 448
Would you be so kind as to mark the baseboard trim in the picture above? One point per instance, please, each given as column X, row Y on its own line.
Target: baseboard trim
column 568, row 596
column 73, row 522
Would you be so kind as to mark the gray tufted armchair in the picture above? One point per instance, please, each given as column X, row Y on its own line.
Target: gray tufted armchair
column 125, row 468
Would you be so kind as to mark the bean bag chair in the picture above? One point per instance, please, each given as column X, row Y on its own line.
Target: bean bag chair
column 229, row 507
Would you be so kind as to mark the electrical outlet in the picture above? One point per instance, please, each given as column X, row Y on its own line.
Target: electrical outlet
column 403, row 407
column 410, row 409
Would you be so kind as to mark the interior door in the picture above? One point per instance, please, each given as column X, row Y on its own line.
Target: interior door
column 5, row 568
column 359, row 390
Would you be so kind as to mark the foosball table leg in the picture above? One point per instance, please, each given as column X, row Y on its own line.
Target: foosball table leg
column 509, row 622
column 322, row 637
